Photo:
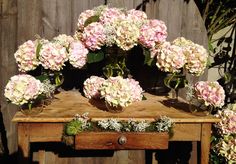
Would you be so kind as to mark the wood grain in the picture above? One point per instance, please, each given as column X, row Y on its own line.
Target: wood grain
column 110, row 140
column 68, row 103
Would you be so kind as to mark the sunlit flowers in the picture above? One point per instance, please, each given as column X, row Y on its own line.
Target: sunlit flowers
column 83, row 17
column 64, row 40
column 211, row 93
column 92, row 86
column 94, row 36
column 136, row 90
column 126, row 36
column 170, row 58
column 116, row 92
column 53, row 56
column 22, row 89
column 26, row 57
column 153, row 32
column 77, row 54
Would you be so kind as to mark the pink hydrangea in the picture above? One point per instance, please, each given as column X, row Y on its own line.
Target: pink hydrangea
column 22, row 89
column 77, row 54
column 26, row 57
column 227, row 125
column 170, row 58
column 53, row 56
column 211, row 93
column 92, row 86
column 109, row 15
column 94, row 36
column 136, row 90
column 83, row 17
column 152, row 32
column 64, row 40
column 136, row 16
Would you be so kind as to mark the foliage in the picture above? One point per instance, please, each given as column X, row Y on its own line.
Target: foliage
column 217, row 15
column 81, row 123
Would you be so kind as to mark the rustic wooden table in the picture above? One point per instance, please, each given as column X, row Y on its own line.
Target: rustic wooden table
column 48, row 125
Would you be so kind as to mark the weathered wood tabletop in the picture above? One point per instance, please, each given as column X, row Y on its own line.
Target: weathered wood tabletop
column 66, row 104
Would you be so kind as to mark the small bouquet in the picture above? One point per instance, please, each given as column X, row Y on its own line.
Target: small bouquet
column 23, row 89
column 116, row 91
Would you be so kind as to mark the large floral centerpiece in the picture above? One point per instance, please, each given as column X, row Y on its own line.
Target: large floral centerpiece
column 107, row 35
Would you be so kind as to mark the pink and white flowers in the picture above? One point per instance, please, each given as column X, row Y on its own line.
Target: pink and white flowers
column 227, row 125
column 22, row 89
column 153, row 32
column 92, row 86
column 170, row 58
column 83, row 17
column 94, row 36
column 64, row 40
column 26, row 57
column 211, row 93
column 77, row 54
column 53, row 56
column 118, row 91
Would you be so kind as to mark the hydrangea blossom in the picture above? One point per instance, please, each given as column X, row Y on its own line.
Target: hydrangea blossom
column 136, row 90
column 136, row 16
column 78, row 54
column 109, row 15
column 92, row 86
column 116, row 92
column 182, row 42
column 170, row 58
column 211, row 93
column 127, row 34
column 26, row 57
column 227, row 125
column 22, row 89
column 94, row 36
column 53, row 56
column 152, row 32
column 64, row 40
column 83, row 17
column 196, row 57
column 227, row 148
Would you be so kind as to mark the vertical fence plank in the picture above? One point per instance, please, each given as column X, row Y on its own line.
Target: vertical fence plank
column 8, row 16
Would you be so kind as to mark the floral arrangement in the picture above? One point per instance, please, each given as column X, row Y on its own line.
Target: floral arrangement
column 23, row 89
column 212, row 93
column 223, row 146
column 116, row 91
column 108, row 33
column 82, row 123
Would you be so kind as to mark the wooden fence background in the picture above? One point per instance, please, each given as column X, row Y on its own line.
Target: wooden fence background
column 21, row 20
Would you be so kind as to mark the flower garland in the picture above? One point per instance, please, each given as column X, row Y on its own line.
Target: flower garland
column 83, row 123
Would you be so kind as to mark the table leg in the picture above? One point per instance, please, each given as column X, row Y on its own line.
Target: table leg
column 205, row 142
column 23, row 144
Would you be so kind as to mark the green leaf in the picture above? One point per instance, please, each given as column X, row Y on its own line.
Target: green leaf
column 91, row 19
column 39, row 46
column 93, row 57
column 210, row 46
column 148, row 60
column 42, row 77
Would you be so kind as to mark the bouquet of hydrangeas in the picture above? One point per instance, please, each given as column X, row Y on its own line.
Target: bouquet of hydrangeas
column 116, row 91
column 23, row 89
column 211, row 93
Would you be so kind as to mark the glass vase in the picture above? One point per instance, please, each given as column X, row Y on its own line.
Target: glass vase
column 114, row 109
column 175, row 82
column 198, row 108
column 33, row 108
